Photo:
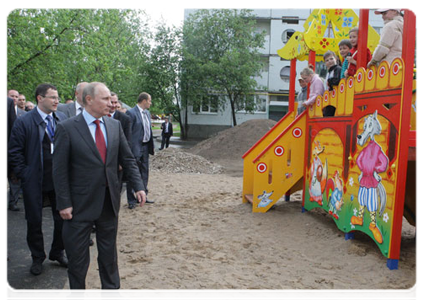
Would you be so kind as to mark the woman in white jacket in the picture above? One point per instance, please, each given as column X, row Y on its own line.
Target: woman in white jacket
column 390, row 44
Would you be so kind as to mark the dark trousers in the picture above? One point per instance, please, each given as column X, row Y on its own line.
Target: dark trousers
column 35, row 238
column 165, row 140
column 142, row 163
column 76, row 235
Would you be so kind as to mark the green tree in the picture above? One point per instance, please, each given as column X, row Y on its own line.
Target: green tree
column 223, row 48
column 65, row 47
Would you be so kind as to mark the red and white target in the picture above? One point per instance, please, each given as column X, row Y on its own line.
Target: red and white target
column 396, row 68
column 261, row 167
column 382, row 72
column 370, row 75
column 279, row 150
column 350, row 82
column 326, row 97
column 318, row 102
column 359, row 77
column 341, row 88
column 297, row 132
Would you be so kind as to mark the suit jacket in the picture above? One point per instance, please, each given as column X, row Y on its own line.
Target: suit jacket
column 170, row 129
column 138, row 132
column 10, row 117
column 68, row 109
column 20, row 112
column 26, row 159
column 126, row 122
column 81, row 177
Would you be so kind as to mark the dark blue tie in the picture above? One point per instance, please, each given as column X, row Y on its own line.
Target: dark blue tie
column 50, row 127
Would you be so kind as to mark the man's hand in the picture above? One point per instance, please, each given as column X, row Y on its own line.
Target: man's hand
column 66, row 213
column 141, row 197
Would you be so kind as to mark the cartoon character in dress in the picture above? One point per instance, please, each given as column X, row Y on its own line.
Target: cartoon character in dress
column 334, row 195
column 318, row 175
column 371, row 161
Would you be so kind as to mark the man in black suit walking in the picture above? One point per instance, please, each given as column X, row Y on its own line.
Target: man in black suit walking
column 30, row 156
column 88, row 150
column 125, row 121
column 167, row 132
column 142, row 143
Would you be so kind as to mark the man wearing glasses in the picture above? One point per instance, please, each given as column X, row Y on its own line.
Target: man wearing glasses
column 30, row 157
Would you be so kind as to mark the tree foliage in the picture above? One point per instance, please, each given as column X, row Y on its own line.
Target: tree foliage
column 65, row 47
column 223, row 47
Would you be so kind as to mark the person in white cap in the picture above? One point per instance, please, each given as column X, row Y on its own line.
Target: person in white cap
column 390, row 44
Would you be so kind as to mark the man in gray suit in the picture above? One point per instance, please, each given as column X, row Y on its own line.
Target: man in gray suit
column 142, row 143
column 74, row 108
column 88, row 150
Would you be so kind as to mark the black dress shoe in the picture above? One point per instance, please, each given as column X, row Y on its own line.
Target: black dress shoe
column 149, row 201
column 14, row 207
column 36, row 268
column 62, row 260
column 131, row 206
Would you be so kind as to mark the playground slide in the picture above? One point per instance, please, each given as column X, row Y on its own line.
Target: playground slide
column 274, row 166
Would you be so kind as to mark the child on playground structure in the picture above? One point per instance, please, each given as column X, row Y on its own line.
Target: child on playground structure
column 302, row 96
column 352, row 60
column 344, row 49
column 316, row 85
column 390, row 43
column 332, row 78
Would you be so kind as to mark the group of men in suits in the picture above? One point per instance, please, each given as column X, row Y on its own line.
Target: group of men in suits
column 74, row 157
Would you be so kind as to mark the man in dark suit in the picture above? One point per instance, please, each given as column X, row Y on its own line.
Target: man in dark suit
column 74, row 108
column 125, row 121
column 88, row 150
column 30, row 156
column 14, row 182
column 167, row 132
column 142, row 143
column 10, row 117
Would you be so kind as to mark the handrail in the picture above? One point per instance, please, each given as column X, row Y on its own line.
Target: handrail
column 279, row 136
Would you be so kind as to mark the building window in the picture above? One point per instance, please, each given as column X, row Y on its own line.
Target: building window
column 260, row 104
column 286, row 35
column 209, row 104
column 285, row 72
column 291, row 20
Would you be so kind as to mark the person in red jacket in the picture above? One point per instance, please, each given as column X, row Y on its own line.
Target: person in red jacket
column 352, row 59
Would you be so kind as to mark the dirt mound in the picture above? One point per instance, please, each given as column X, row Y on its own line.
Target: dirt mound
column 173, row 160
column 232, row 143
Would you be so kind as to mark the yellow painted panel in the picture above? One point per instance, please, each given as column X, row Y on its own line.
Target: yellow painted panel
column 360, row 77
column 318, row 107
column 382, row 76
column 333, row 99
column 349, row 99
column 370, row 83
column 396, row 73
column 341, row 91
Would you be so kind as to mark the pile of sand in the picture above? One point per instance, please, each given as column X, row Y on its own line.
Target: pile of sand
column 232, row 143
column 174, row 160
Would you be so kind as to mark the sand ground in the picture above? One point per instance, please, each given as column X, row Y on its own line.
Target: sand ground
column 199, row 235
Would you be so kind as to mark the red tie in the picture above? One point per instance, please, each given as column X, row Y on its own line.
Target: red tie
column 99, row 141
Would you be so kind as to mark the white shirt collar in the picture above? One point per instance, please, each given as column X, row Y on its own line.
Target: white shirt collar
column 43, row 114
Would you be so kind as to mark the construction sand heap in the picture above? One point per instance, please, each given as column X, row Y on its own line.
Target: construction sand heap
column 173, row 160
column 232, row 143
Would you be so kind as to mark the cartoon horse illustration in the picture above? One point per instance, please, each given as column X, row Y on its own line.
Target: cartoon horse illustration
column 371, row 161
column 334, row 192
column 318, row 175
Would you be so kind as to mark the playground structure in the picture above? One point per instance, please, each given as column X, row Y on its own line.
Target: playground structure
column 358, row 165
